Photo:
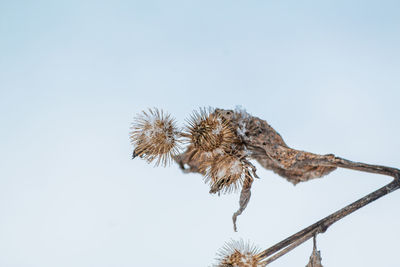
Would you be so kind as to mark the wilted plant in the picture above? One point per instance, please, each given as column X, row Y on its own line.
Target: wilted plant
column 220, row 145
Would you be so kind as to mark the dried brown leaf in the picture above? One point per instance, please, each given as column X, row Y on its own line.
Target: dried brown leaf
column 315, row 258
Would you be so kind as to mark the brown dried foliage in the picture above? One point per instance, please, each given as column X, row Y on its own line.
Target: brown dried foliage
column 221, row 140
column 266, row 145
column 315, row 258
column 251, row 138
column 221, row 143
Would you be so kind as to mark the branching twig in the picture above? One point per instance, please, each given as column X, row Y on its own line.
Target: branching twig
column 221, row 143
column 321, row 226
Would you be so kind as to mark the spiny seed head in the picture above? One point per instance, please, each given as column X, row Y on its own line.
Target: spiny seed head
column 207, row 131
column 155, row 136
column 225, row 172
column 239, row 254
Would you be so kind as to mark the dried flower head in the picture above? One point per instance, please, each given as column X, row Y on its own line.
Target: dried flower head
column 225, row 172
column 207, row 131
column 155, row 137
column 239, row 254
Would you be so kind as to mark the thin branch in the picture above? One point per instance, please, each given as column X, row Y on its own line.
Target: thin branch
column 323, row 224
column 329, row 161
column 287, row 249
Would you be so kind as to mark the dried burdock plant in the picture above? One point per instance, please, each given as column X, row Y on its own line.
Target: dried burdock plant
column 155, row 137
column 238, row 254
column 221, row 144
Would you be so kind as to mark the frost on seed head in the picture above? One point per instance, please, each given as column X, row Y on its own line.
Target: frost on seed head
column 236, row 167
column 225, row 173
column 238, row 254
column 221, row 173
column 207, row 131
column 155, row 136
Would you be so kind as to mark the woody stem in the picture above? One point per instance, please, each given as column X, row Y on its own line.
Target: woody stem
column 323, row 224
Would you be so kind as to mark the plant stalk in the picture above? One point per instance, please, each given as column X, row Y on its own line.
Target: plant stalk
column 322, row 225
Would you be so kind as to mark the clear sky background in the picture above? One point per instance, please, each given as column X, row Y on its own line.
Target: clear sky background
column 73, row 74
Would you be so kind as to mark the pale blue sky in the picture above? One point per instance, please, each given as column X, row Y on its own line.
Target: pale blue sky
column 73, row 74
